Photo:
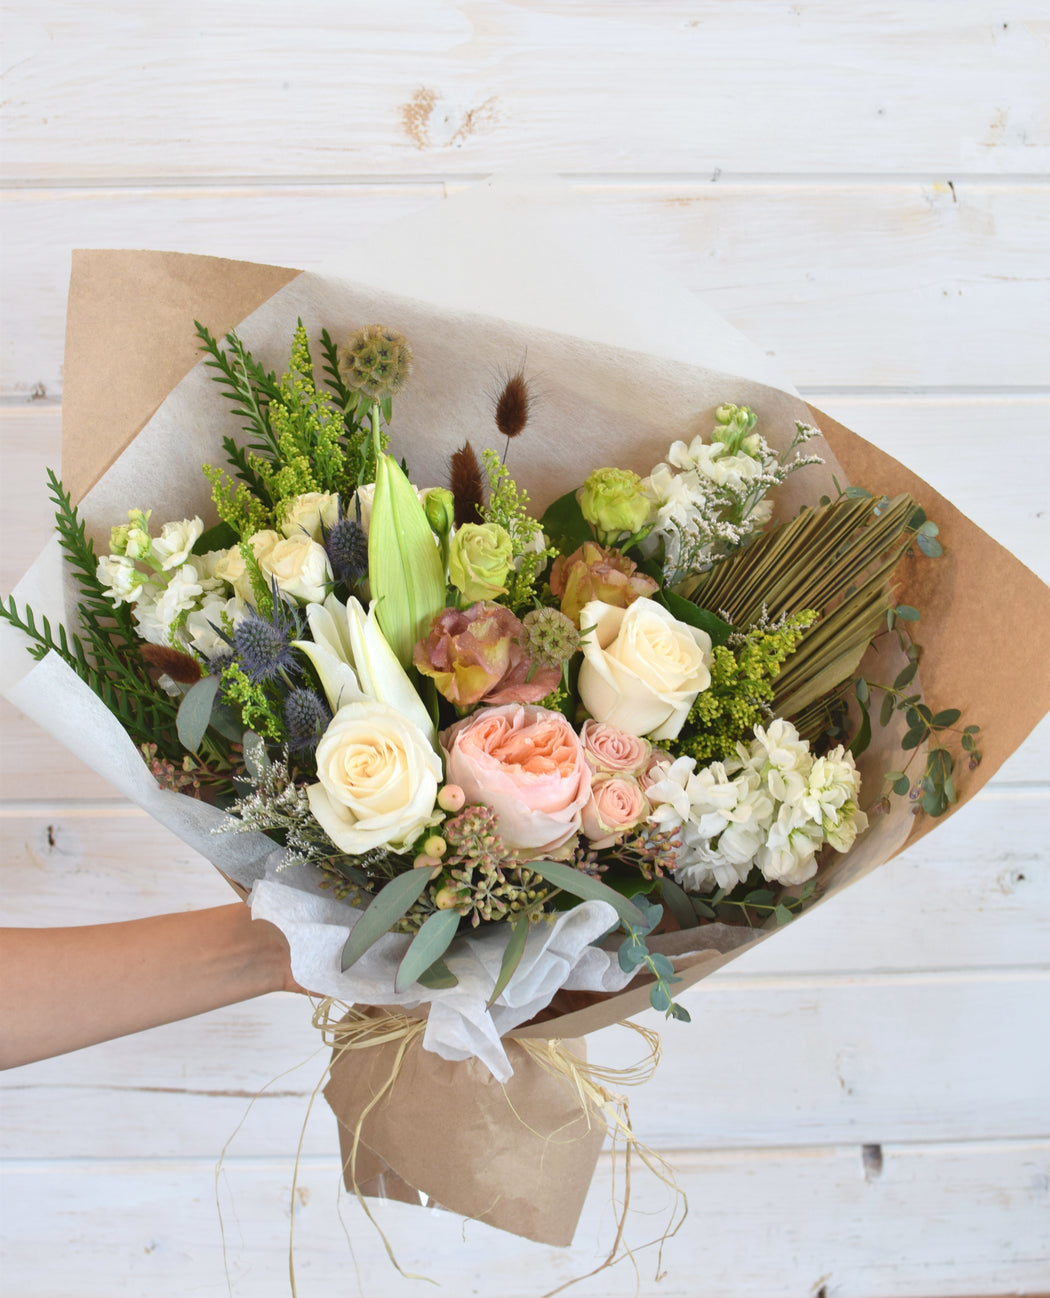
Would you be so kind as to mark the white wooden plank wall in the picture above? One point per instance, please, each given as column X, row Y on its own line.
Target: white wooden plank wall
column 860, row 1108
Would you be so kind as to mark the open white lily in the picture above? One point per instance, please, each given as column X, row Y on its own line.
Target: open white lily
column 331, row 653
column 380, row 673
column 354, row 662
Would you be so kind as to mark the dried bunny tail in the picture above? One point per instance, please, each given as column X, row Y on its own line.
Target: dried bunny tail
column 513, row 405
column 179, row 666
column 467, row 485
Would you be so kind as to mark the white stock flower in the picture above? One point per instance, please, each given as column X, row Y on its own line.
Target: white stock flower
column 175, row 542
column 122, row 580
column 180, row 594
column 304, row 514
column 642, row 668
column 377, row 779
column 204, row 624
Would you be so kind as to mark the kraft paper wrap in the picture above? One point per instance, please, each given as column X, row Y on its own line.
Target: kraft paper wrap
column 985, row 627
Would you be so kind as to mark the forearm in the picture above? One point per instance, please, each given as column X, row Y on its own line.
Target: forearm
column 67, row 988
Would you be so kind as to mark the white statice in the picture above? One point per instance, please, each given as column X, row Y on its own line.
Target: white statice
column 176, row 541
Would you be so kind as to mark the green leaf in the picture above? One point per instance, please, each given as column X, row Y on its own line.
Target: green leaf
column 906, row 613
column 862, row 738
column 384, row 910
column 565, row 524
column 929, row 546
column 934, row 802
column 901, row 785
column 782, row 914
column 759, row 897
column 631, row 954
column 972, row 730
column 702, row 908
column 219, row 537
column 693, row 615
column 439, row 976
column 429, row 944
column 863, row 693
column 886, row 711
column 913, row 738
column 928, row 528
column 661, row 965
column 588, row 889
column 857, row 493
column 195, row 712
column 807, row 890
column 680, row 1013
column 511, row 957
column 906, row 675
column 678, row 903
column 660, row 997
column 946, row 718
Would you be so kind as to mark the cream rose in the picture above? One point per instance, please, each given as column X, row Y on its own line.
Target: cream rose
column 526, row 763
column 298, row 565
column 610, row 751
column 642, row 668
column 303, row 515
column 378, row 779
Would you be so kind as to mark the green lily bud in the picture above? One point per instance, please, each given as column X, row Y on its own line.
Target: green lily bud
column 405, row 571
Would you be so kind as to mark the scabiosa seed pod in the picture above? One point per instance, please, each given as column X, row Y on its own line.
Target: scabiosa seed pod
column 306, row 718
column 375, row 360
column 551, row 638
column 512, row 405
column 264, row 647
column 346, row 545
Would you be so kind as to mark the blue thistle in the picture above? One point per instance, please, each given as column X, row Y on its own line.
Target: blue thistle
column 347, row 547
column 263, row 645
column 306, row 718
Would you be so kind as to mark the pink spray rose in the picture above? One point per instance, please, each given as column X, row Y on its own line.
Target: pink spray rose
column 613, row 752
column 527, row 764
column 475, row 654
column 616, row 805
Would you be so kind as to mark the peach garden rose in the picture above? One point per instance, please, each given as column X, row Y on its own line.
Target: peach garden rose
column 528, row 765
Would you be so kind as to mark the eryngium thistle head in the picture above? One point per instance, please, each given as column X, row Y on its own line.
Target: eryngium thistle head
column 347, row 547
column 306, row 717
column 263, row 647
column 551, row 638
column 376, row 361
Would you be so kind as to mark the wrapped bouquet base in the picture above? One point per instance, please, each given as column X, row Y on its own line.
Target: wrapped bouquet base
column 530, row 1142
column 522, row 1152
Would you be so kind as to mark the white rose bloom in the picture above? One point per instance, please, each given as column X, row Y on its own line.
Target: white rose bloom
column 122, row 579
column 203, row 624
column 228, row 566
column 298, row 565
column 175, row 542
column 378, row 779
column 642, row 668
column 304, row 514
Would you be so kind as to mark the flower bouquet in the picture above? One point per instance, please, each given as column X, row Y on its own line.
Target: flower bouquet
column 521, row 681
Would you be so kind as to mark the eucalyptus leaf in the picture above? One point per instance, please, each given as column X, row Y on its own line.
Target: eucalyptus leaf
column 946, row 718
column 195, row 712
column 905, row 676
column 901, row 785
column 886, row 711
column 678, row 903
column 862, row 738
column 429, row 944
column 759, row 897
column 661, row 965
column 588, row 889
column 929, row 546
column 384, row 910
column 906, row 613
column 660, row 998
column 631, row 954
column 515, row 949
column 438, row 977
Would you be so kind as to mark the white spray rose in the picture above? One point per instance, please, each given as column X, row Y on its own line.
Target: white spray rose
column 298, row 565
column 229, row 566
column 378, row 779
column 642, row 668
column 304, row 514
